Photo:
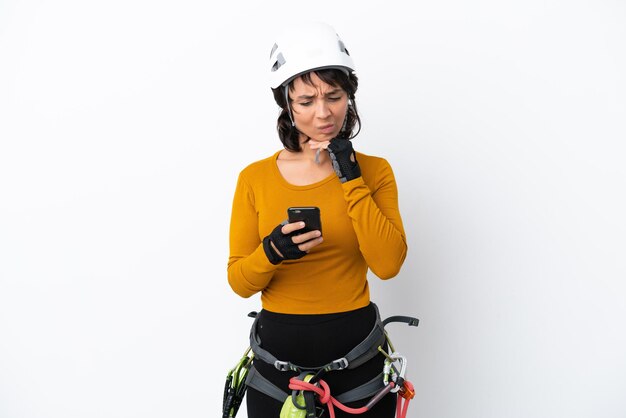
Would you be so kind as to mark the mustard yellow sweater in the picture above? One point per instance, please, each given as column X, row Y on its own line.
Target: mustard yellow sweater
column 361, row 227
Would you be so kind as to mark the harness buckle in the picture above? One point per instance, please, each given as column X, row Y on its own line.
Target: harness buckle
column 283, row 366
column 338, row 364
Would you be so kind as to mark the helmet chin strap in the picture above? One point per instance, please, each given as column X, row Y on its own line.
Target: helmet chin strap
column 317, row 156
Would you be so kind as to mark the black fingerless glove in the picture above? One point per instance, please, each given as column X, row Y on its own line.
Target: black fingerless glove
column 344, row 160
column 284, row 244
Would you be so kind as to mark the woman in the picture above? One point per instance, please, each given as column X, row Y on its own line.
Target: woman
column 314, row 290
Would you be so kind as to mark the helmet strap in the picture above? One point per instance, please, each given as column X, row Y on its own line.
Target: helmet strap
column 293, row 123
column 345, row 120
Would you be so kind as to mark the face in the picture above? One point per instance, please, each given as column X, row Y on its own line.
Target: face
column 318, row 109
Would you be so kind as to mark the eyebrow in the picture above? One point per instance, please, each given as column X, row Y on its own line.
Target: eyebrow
column 333, row 91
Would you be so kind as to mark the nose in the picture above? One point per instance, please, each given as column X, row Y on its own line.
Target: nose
column 322, row 110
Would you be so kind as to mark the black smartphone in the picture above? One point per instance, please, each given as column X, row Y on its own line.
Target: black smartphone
column 310, row 215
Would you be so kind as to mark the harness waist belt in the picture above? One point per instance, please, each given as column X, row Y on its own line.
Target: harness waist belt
column 363, row 352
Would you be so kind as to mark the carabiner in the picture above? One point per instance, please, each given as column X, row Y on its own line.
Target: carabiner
column 395, row 375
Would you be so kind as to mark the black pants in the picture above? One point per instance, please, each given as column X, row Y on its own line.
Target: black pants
column 315, row 340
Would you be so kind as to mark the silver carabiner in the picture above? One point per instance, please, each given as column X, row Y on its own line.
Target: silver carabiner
column 396, row 357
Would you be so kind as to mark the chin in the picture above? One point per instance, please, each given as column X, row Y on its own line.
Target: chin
column 326, row 137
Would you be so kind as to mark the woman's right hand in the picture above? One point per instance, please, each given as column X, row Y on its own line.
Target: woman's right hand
column 304, row 241
column 284, row 243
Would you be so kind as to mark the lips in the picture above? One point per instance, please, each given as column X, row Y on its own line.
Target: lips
column 327, row 128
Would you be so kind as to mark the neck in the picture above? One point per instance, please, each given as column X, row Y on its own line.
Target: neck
column 317, row 155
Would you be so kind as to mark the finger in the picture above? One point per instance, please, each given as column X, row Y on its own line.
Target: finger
column 289, row 228
column 318, row 144
column 301, row 238
column 307, row 246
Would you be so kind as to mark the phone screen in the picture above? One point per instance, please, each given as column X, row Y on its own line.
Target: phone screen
column 310, row 215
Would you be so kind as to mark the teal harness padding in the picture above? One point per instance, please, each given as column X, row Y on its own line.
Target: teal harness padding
column 364, row 351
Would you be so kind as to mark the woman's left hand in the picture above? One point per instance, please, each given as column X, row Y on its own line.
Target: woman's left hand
column 313, row 144
column 342, row 156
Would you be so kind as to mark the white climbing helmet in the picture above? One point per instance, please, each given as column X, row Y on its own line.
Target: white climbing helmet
column 306, row 47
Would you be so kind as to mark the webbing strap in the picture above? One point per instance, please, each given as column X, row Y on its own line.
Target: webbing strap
column 256, row 381
column 412, row 322
column 364, row 351
column 364, row 391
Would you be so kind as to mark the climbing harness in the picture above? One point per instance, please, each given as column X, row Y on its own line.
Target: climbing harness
column 308, row 386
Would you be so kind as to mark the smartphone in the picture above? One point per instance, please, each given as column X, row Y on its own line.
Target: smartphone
column 310, row 215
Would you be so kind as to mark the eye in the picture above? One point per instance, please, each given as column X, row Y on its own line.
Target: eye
column 334, row 99
column 305, row 103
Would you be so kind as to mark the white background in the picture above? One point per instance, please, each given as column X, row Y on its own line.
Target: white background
column 124, row 124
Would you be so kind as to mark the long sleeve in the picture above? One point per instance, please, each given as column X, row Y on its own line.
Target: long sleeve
column 376, row 219
column 249, row 270
column 362, row 230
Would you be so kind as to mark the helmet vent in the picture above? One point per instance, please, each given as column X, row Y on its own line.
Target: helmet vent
column 274, row 48
column 342, row 48
column 280, row 60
